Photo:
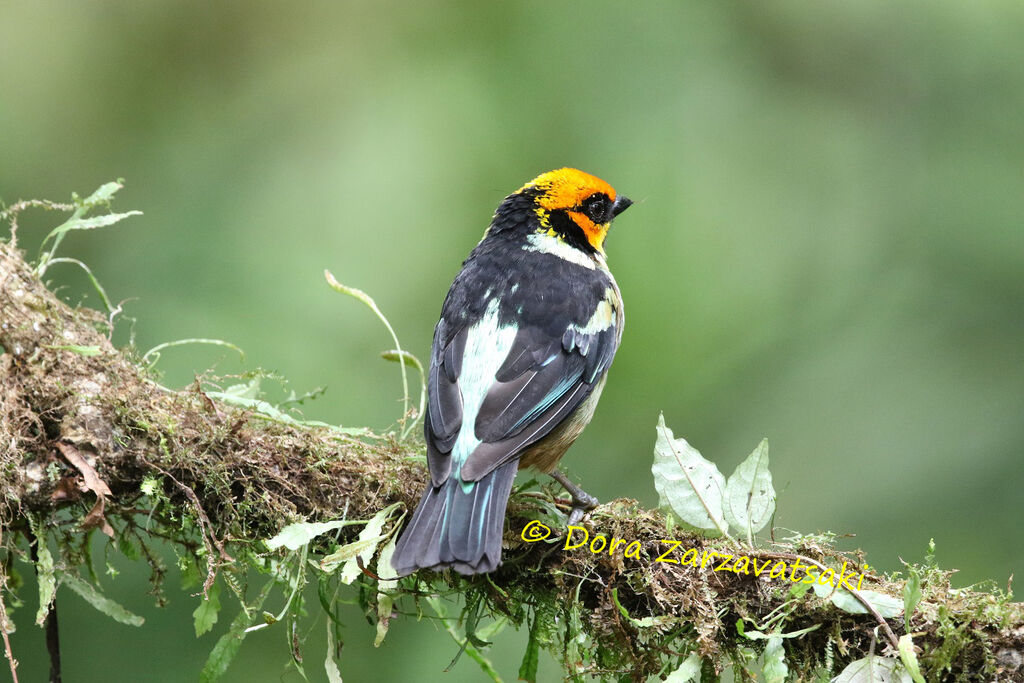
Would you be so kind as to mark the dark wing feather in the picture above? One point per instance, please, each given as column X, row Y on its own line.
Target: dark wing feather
column 510, row 404
column 444, row 401
column 531, row 398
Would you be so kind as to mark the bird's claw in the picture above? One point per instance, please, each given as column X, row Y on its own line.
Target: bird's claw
column 581, row 500
column 582, row 503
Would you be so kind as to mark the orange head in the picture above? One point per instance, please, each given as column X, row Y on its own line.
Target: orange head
column 585, row 201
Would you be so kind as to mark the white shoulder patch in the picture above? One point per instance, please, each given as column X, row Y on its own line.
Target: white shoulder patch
column 545, row 243
column 603, row 316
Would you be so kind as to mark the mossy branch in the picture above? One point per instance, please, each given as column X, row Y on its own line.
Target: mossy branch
column 85, row 433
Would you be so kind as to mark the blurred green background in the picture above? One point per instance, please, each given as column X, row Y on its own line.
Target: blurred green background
column 827, row 246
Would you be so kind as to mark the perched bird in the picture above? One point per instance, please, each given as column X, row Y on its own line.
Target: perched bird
column 520, row 355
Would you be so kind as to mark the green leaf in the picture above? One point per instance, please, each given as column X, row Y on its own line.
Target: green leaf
column 688, row 486
column 348, row 552
column 90, row 223
column 296, row 535
column 155, row 351
column 205, row 615
column 688, row 671
column 873, row 669
column 92, row 278
column 103, row 195
column 225, row 650
column 531, row 658
column 190, row 576
column 46, row 578
column 909, row 657
column 749, row 495
column 437, row 604
column 775, row 669
column 644, row 622
column 100, row 601
column 372, row 305
column 911, row 597
column 149, row 485
column 78, row 221
column 887, row 606
column 760, row 635
column 385, row 601
column 75, row 348
column 797, row 590
column 228, row 644
column 370, row 537
column 399, row 356
column 331, row 666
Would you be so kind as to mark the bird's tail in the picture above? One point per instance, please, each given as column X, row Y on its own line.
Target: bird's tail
column 456, row 528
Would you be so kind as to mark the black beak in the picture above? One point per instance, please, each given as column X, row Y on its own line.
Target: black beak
column 620, row 205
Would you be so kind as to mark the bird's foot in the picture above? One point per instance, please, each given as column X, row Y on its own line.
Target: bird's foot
column 581, row 500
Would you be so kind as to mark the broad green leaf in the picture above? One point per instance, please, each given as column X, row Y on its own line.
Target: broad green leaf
column 205, row 615
column 749, row 495
column 46, row 578
column 688, row 486
column 775, row 669
column 100, row 601
column 909, row 657
column 887, row 606
column 911, row 597
column 688, row 671
column 298, row 534
column 874, row 669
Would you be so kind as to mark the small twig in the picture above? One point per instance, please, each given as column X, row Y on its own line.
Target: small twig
column 205, row 529
column 3, row 629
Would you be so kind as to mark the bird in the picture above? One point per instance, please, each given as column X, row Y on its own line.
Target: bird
column 520, row 356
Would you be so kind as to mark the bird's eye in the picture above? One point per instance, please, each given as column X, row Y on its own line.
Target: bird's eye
column 596, row 208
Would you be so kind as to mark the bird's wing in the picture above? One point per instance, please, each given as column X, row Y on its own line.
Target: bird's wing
column 443, row 418
column 545, row 375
